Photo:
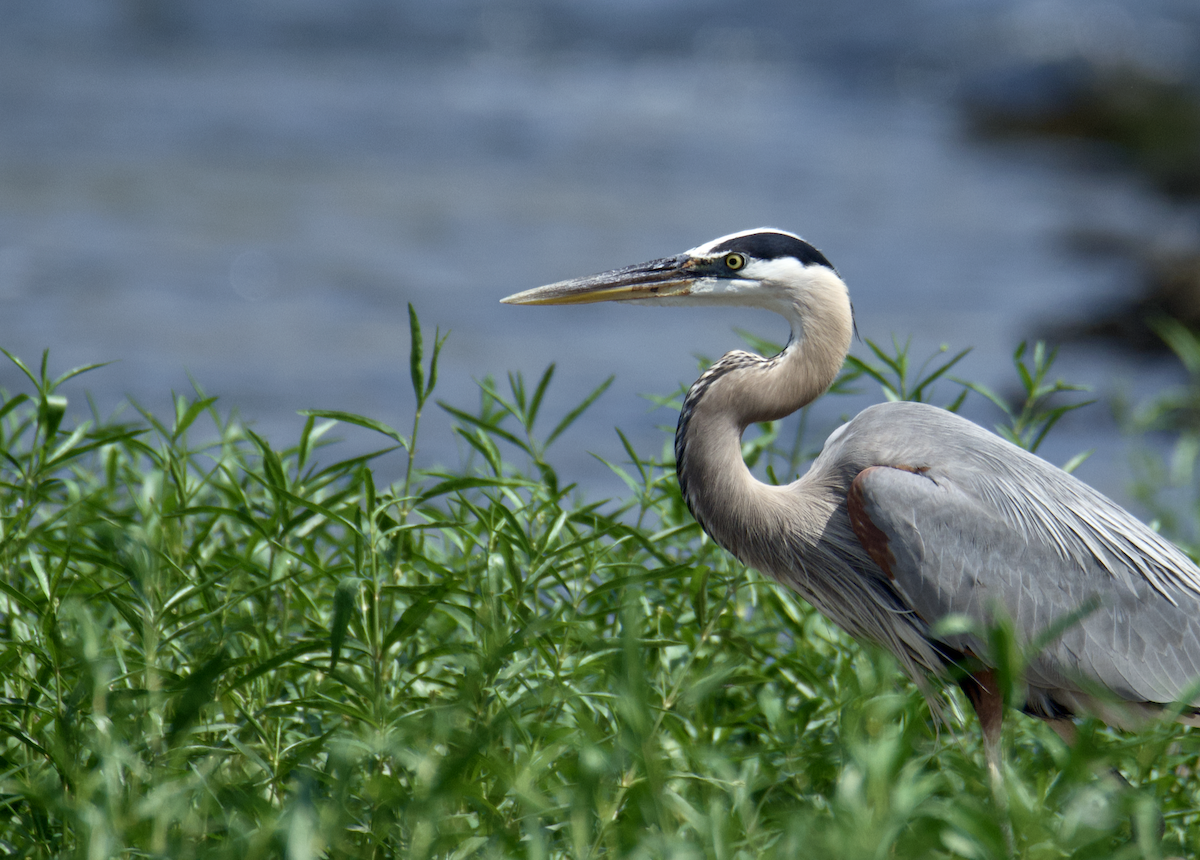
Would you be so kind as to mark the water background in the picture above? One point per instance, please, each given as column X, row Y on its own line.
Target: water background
column 248, row 195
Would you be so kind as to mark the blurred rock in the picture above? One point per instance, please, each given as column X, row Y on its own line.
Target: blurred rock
column 1150, row 123
column 1169, row 286
column 1122, row 116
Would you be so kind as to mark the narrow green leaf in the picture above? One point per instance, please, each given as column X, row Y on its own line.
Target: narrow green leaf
column 279, row 659
column 50, row 415
column 482, row 443
column 14, row 732
column 486, row 426
column 413, row 616
column 458, row 484
column 574, row 414
column 76, row 371
column 357, row 420
column 863, row 368
column 1078, row 460
column 12, row 403
column 633, row 456
column 439, row 340
column 22, row 600
column 625, row 477
column 188, row 417
column 980, row 388
column 39, row 572
column 21, row 365
column 306, row 437
column 936, row 374
column 535, row 402
column 415, row 355
column 343, row 611
column 197, row 692
column 956, row 404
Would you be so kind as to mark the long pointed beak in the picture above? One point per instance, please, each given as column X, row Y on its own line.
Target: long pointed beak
column 670, row 276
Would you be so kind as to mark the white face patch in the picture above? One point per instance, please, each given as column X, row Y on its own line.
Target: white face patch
column 715, row 288
column 782, row 285
column 781, row 270
column 768, row 284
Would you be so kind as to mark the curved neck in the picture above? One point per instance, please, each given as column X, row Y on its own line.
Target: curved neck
column 740, row 513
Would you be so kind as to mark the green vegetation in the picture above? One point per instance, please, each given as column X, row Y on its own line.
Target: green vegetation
column 229, row 650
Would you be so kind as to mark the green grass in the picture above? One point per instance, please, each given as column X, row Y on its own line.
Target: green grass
column 224, row 649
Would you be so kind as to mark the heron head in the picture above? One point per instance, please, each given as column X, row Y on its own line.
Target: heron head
column 760, row 268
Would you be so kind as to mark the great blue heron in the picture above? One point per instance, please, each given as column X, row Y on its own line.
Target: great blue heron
column 912, row 514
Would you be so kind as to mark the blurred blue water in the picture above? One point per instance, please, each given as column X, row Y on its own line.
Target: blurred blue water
column 250, row 193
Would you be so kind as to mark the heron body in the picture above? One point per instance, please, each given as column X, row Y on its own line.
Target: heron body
column 912, row 514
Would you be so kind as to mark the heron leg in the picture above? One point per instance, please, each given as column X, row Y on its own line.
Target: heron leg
column 983, row 691
column 1064, row 727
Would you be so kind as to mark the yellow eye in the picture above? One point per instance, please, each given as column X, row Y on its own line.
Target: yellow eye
column 733, row 262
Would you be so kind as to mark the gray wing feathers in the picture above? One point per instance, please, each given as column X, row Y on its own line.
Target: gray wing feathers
column 966, row 537
column 959, row 553
column 1042, row 502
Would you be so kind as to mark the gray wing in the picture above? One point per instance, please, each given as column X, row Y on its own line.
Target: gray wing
column 971, row 522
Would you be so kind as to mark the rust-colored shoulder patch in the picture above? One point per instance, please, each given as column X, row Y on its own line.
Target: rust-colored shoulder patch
column 872, row 538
